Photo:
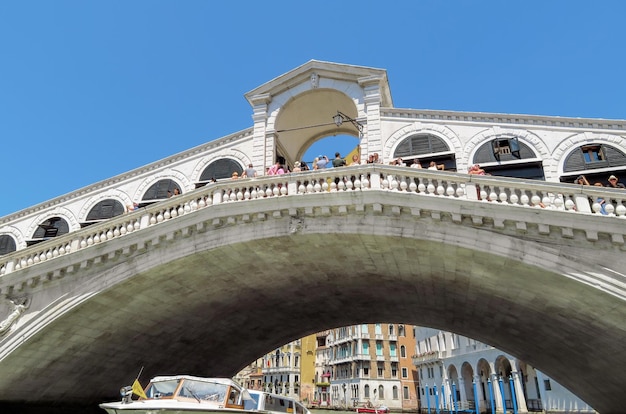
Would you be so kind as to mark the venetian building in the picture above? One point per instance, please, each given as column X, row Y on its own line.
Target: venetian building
column 366, row 366
column 281, row 370
column 458, row 371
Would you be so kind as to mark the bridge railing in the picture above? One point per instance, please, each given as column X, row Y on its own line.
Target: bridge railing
column 568, row 198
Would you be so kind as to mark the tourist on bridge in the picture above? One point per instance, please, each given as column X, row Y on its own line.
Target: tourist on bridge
column 613, row 182
column 338, row 161
column 322, row 162
column 276, row 169
column 249, row 172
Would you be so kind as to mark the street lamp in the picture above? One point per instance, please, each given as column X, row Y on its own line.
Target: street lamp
column 340, row 118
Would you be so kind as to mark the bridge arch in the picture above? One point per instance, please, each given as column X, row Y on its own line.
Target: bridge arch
column 201, row 275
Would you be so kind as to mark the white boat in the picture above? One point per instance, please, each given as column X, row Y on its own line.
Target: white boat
column 182, row 394
column 273, row 403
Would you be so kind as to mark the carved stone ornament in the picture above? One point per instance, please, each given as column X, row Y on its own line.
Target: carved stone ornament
column 315, row 80
column 11, row 310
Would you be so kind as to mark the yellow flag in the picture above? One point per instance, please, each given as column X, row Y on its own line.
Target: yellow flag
column 138, row 389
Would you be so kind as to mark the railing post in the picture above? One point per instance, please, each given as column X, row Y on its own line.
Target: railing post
column 217, row 197
column 75, row 244
column 582, row 203
column 375, row 180
column 144, row 221
column 292, row 187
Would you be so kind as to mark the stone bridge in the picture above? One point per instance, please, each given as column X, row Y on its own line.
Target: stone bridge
column 208, row 281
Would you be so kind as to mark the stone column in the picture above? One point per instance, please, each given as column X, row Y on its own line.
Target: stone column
column 461, row 387
column 371, row 141
column 262, row 151
column 497, row 395
column 519, row 392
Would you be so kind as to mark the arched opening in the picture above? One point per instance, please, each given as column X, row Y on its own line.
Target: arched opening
column 218, row 170
column 346, row 145
column 104, row 210
column 425, row 149
column 161, row 190
column 467, row 373
column 596, row 162
column 307, row 118
column 507, row 156
column 503, row 369
column 52, row 227
column 7, row 244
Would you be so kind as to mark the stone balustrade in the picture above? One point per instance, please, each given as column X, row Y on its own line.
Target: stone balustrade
column 568, row 198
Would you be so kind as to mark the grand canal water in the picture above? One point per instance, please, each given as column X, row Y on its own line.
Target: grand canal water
column 97, row 410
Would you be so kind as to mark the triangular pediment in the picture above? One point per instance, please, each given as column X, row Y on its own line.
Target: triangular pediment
column 328, row 70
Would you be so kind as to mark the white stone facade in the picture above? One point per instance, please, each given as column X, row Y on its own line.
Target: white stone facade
column 451, row 364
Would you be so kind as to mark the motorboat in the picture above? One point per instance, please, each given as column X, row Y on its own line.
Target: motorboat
column 371, row 409
column 182, row 394
column 273, row 403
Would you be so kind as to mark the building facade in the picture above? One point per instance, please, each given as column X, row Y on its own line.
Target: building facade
column 367, row 367
column 282, row 370
column 462, row 373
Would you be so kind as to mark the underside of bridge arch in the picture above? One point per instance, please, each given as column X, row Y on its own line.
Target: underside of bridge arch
column 211, row 311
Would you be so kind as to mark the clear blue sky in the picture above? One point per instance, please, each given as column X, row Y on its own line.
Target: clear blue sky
column 91, row 89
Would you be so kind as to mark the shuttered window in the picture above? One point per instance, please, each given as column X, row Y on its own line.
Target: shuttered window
column 161, row 190
column 105, row 209
column 7, row 244
column 223, row 168
column 53, row 227
column 592, row 156
column 507, row 150
column 421, row 144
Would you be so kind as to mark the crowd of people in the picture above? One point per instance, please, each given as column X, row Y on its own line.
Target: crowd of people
column 322, row 162
column 612, row 182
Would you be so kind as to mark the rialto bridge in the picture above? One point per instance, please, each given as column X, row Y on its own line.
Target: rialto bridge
column 207, row 281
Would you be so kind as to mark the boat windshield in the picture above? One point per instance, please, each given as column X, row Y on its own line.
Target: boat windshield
column 201, row 390
column 162, row 389
column 252, row 403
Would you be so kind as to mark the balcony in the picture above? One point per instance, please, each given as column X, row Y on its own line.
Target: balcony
column 429, row 356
